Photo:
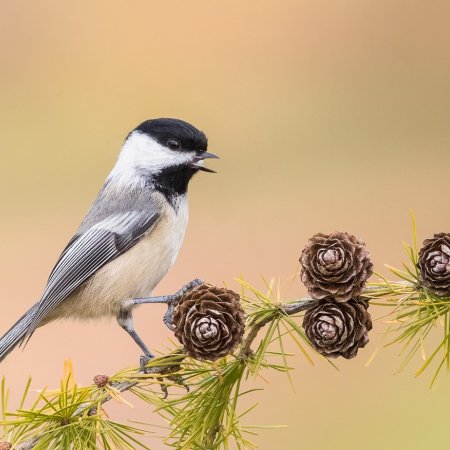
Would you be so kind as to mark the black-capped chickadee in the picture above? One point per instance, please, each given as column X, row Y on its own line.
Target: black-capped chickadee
column 130, row 237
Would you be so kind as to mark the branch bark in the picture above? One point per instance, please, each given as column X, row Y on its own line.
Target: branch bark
column 120, row 386
column 287, row 308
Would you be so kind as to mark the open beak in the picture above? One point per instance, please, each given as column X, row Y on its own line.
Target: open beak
column 197, row 162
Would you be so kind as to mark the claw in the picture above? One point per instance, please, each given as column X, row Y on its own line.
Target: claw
column 180, row 381
column 177, row 379
column 168, row 320
column 172, row 301
column 165, row 391
column 189, row 286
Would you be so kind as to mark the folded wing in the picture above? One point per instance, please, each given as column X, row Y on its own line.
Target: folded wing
column 87, row 252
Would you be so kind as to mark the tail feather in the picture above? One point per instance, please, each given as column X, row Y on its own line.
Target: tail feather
column 16, row 333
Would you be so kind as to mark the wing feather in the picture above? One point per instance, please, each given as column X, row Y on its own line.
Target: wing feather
column 87, row 252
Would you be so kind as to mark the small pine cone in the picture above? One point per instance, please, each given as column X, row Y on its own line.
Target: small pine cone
column 434, row 264
column 5, row 445
column 338, row 329
column 335, row 265
column 101, row 380
column 209, row 321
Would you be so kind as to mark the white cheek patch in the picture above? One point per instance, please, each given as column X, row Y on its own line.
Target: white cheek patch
column 140, row 151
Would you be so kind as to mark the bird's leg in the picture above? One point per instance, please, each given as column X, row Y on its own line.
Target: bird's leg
column 125, row 319
column 170, row 300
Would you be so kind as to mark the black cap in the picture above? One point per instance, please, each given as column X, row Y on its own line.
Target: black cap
column 169, row 132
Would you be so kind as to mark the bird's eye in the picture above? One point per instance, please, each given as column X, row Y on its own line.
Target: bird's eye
column 173, row 144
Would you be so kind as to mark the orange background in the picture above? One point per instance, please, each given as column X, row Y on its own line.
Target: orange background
column 327, row 116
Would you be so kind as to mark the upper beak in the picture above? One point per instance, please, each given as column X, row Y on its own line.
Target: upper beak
column 195, row 164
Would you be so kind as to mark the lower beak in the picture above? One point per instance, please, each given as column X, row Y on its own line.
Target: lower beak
column 197, row 162
column 203, row 168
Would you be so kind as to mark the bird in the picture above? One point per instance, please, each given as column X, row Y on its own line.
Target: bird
column 129, row 238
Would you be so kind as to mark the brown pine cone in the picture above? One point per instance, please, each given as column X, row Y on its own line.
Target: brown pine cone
column 335, row 265
column 209, row 321
column 434, row 264
column 5, row 445
column 338, row 329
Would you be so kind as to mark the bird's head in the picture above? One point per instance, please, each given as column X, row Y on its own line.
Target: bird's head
column 165, row 147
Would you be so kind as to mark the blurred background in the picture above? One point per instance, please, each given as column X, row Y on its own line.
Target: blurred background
column 327, row 116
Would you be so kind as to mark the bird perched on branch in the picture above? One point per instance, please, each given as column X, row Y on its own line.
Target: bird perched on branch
column 130, row 237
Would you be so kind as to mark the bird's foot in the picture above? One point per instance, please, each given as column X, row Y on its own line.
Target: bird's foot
column 179, row 380
column 188, row 287
column 172, row 301
column 169, row 369
column 175, row 379
column 143, row 363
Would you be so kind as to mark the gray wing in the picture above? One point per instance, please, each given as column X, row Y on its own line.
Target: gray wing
column 87, row 252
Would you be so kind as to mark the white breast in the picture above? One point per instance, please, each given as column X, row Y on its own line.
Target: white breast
column 133, row 274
